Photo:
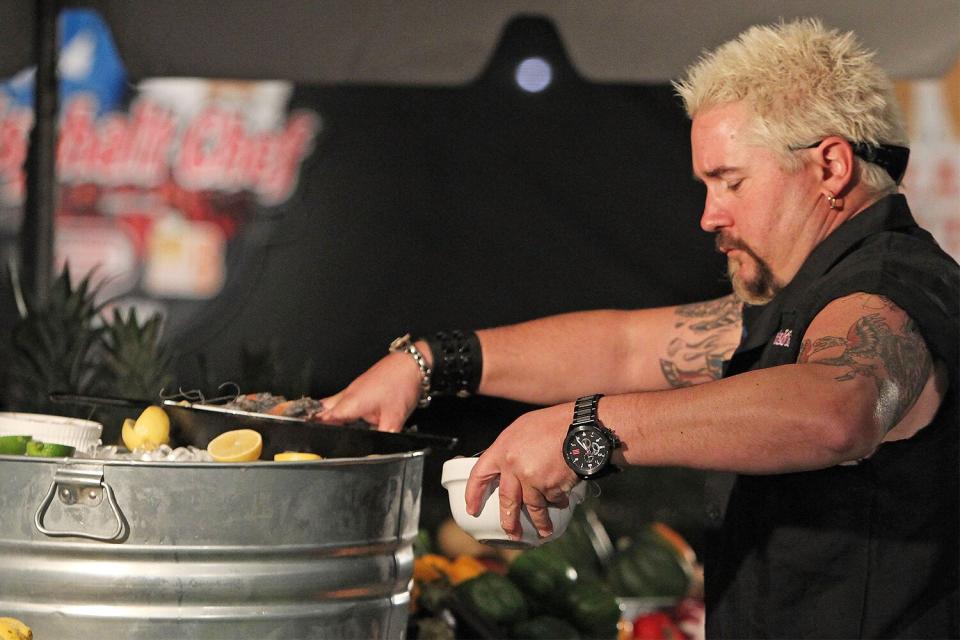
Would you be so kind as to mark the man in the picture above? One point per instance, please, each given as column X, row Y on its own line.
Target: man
column 827, row 382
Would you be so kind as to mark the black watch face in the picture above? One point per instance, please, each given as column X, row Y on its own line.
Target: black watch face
column 586, row 449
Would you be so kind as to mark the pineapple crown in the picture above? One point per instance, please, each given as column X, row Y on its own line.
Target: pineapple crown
column 64, row 343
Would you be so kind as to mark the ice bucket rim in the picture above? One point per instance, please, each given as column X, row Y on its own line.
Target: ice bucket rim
column 377, row 458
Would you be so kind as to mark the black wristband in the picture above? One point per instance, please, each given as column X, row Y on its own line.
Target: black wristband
column 457, row 363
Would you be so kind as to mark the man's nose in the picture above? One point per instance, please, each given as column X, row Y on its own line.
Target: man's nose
column 714, row 216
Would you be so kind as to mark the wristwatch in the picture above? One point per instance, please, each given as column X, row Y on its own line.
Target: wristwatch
column 589, row 445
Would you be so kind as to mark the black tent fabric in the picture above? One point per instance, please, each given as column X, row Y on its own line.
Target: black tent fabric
column 427, row 42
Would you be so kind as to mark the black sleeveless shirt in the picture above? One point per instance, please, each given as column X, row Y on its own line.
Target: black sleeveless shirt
column 852, row 551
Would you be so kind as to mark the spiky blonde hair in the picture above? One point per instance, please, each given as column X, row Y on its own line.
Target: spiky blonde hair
column 803, row 82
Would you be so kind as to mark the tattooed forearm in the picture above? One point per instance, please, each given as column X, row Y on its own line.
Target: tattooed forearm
column 710, row 315
column 711, row 344
column 896, row 359
column 707, row 334
column 712, row 370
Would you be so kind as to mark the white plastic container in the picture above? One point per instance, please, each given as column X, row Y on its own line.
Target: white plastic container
column 73, row 432
column 486, row 526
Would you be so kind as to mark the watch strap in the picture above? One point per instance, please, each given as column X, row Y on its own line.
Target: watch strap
column 585, row 410
column 585, row 413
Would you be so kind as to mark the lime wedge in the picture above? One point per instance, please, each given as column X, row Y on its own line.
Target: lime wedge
column 49, row 449
column 13, row 445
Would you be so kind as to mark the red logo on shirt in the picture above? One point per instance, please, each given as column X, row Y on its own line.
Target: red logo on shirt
column 782, row 339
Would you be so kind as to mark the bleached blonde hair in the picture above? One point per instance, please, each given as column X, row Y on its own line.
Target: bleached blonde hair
column 803, row 82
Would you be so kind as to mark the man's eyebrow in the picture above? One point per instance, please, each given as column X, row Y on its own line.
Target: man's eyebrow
column 719, row 172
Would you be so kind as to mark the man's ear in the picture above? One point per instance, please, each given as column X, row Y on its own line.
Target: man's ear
column 834, row 159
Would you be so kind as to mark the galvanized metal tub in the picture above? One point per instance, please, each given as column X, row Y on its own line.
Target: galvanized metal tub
column 119, row 549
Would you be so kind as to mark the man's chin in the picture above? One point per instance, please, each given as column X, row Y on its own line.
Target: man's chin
column 747, row 296
column 751, row 293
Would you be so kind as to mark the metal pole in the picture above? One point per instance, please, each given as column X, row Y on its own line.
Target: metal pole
column 36, row 231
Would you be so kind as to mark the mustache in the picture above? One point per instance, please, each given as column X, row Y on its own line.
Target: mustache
column 726, row 243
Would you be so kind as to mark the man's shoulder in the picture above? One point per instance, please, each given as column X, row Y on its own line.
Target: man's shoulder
column 893, row 258
column 886, row 237
column 910, row 270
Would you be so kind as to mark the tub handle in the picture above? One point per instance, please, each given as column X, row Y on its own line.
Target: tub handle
column 80, row 484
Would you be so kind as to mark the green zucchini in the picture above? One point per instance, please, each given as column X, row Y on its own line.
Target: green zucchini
column 593, row 609
column 493, row 597
column 649, row 568
column 544, row 577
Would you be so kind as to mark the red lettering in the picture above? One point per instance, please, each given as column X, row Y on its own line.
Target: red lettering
column 117, row 149
column 15, row 124
column 140, row 149
column 219, row 153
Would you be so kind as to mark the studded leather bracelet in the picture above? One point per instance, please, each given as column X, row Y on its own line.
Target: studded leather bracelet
column 457, row 363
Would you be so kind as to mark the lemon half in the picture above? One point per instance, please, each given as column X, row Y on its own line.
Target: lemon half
column 287, row 456
column 150, row 430
column 240, row 445
column 13, row 629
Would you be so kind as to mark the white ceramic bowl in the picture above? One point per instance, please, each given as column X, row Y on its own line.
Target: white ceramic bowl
column 82, row 434
column 486, row 526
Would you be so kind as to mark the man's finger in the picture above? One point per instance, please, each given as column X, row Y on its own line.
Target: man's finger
column 557, row 498
column 328, row 406
column 331, row 401
column 339, row 413
column 536, row 505
column 391, row 421
column 480, row 478
column 511, row 501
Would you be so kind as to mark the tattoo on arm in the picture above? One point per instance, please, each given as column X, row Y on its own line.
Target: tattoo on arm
column 897, row 359
column 714, row 314
column 706, row 336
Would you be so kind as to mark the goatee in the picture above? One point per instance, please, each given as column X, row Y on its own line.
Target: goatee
column 757, row 291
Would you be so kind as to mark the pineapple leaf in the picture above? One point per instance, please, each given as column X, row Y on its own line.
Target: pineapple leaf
column 65, row 344
column 134, row 363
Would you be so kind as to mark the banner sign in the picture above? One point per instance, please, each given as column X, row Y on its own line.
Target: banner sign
column 153, row 189
column 213, row 151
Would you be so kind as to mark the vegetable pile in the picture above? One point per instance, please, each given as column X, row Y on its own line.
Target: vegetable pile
column 647, row 589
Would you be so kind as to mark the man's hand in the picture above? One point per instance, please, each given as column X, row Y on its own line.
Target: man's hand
column 384, row 395
column 528, row 458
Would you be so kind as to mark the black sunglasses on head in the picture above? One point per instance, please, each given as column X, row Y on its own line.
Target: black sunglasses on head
column 892, row 158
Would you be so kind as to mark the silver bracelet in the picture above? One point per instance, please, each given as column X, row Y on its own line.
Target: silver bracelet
column 405, row 344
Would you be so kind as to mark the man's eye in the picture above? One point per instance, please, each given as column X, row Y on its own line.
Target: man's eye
column 734, row 185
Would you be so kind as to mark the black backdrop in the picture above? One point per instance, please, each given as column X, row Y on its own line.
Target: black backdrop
column 473, row 206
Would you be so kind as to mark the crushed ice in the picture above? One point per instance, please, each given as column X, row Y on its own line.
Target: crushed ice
column 163, row 453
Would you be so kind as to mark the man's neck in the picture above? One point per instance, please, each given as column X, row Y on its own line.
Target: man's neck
column 854, row 204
